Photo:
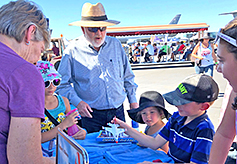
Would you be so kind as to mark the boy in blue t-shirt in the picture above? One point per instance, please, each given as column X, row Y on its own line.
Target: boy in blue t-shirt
column 189, row 131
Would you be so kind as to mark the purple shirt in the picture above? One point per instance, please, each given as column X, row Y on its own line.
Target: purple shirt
column 21, row 93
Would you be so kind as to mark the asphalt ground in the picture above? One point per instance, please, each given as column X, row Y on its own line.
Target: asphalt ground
column 165, row 78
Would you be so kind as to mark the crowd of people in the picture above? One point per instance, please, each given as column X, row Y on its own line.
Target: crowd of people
column 158, row 51
column 95, row 77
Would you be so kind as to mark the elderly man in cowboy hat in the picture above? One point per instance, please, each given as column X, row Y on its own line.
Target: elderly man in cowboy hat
column 99, row 70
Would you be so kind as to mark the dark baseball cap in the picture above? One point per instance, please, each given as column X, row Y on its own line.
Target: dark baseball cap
column 198, row 88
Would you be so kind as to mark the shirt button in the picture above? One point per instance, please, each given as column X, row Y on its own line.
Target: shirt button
column 181, row 132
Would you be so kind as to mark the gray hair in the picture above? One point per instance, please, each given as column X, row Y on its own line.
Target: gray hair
column 17, row 16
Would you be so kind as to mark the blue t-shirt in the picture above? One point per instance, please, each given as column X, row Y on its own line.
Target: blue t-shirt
column 190, row 142
column 152, row 135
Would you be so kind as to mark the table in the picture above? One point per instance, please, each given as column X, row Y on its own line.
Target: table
column 122, row 152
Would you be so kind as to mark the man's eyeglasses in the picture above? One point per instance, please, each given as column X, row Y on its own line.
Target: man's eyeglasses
column 95, row 29
column 55, row 82
column 225, row 37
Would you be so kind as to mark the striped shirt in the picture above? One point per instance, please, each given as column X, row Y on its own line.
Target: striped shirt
column 191, row 142
column 103, row 79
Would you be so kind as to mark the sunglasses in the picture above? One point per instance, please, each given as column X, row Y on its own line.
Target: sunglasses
column 225, row 37
column 95, row 29
column 55, row 82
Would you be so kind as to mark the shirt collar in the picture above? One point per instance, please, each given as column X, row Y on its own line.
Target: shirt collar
column 194, row 123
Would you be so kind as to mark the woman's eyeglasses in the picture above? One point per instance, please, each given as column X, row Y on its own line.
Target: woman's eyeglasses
column 95, row 29
column 55, row 82
column 225, row 37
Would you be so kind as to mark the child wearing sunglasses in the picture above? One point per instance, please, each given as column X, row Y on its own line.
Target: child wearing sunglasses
column 56, row 105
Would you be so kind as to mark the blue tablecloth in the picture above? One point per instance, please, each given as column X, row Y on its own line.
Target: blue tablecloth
column 122, row 152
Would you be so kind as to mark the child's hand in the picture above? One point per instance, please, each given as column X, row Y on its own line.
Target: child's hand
column 80, row 135
column 70, row 120
column 120, row 122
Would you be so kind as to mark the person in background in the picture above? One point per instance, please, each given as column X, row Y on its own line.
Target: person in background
column 135, row 55
column 149, row 53
column 158, row 47
column 227, row 57
column 141, row 49
column 130, row 52
column 205, row 56
column 188, row 131
column 189, row 50
column 133, row 46
column 99, row 70
column 175, row 52
column 163, row 51
column 55, row 49
column 181, row 48
column 56, row 105
column 155, row 49
column 24, row 35
column 196, row 41
column 151, row 112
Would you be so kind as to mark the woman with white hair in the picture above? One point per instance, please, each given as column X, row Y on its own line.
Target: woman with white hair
column 24, row 35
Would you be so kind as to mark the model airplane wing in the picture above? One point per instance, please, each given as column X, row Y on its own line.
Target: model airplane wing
column 114, row 130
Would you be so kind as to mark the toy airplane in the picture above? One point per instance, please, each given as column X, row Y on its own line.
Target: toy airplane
column 114, row 130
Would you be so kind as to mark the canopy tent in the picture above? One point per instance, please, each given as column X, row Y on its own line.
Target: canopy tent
column 158, row 29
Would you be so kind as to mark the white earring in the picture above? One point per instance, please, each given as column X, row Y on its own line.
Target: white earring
column 28, row 43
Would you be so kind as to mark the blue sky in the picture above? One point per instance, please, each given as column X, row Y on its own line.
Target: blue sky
column 137, row 13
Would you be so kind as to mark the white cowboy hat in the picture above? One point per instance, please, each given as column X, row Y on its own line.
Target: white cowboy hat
column 206, row 36
column 94, row 16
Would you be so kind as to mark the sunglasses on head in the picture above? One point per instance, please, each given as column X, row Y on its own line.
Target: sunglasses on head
column 55, row 82
column 225, row 37
column 95, row 29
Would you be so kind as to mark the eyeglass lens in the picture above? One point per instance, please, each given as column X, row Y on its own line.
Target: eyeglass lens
column 95, row 29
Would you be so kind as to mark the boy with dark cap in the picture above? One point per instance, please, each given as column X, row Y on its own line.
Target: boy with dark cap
column 189, row 131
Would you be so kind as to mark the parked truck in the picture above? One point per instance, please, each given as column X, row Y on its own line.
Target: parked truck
column 49, row 54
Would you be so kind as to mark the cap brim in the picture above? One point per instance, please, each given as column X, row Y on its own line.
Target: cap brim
column 94, row 23
column 174, row 99
column 133, row 113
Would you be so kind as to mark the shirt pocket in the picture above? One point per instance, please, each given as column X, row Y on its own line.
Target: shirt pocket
column 115, row 68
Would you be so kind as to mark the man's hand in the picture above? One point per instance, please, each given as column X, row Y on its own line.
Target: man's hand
column 134, row 105
column 84, row 109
